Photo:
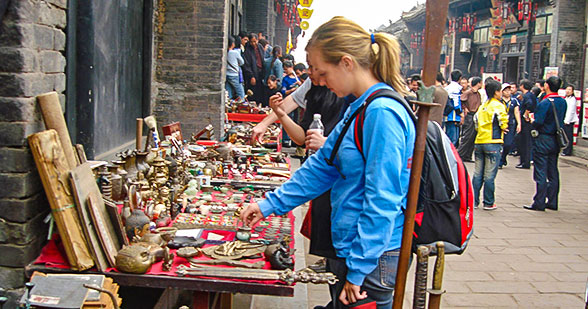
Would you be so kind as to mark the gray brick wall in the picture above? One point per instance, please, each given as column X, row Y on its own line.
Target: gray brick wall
column 568, row 35
column 32, row 44
column 189, row 63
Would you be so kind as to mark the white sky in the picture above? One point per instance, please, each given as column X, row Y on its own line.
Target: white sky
column 370, row 14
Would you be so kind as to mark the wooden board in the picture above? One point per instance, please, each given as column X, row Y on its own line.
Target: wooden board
column 116, row 221
column 53, row 169
column 82, row 185
column 103, row 227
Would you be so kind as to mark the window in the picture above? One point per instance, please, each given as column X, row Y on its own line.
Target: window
column 544, row 25
column 481, row 35
column 549, row 24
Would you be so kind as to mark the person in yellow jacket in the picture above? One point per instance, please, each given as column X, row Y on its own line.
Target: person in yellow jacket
column 491, row 121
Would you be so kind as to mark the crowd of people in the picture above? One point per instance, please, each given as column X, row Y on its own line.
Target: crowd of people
column 489, row 121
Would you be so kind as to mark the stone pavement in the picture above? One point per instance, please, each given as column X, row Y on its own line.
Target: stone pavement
column 517, row 257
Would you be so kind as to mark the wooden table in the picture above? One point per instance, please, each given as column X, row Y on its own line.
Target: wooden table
column 204, row 290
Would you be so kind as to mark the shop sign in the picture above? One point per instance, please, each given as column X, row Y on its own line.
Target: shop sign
column 550, row 71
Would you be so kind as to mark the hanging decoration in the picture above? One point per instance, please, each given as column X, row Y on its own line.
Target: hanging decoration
column 499, row 12
column 527, row 11
column 304, row 13
column 465, row 23
column 417, row 40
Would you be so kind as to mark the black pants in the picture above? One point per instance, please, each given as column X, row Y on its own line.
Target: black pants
column 569, row 128
column 525, row 144
column 468, row 137
column 546, row 173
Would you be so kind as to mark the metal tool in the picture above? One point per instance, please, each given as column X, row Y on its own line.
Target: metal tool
column 436, row 16
column 99, row 289
column 29, row 286
column 226, row 262
column 436, row 292
column 288, row 276
column 420, row 282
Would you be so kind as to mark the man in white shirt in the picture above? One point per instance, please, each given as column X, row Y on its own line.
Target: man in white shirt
column 570, row 119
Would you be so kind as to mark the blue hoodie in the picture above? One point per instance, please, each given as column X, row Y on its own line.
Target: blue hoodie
column 367, row 205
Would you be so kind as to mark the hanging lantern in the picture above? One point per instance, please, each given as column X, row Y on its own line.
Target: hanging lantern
column 505, row 11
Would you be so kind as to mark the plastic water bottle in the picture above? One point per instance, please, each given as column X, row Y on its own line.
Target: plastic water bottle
column 316, row 125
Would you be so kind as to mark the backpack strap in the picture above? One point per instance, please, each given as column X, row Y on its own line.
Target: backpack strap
column 359, row 116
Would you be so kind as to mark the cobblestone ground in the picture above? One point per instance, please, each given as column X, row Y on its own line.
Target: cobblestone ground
column 517, row 257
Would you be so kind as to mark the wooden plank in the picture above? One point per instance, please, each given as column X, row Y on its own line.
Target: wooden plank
column 53, row 117
column 109, row 241
column 85, row 185
column 53, row 169
column 80, row 185
column 116, row 220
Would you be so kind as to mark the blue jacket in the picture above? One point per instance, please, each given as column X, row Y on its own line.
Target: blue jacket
column 454, row 91
column 544, row 118
column 367, row 205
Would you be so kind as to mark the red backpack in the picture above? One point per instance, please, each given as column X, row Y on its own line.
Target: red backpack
column 445, row 209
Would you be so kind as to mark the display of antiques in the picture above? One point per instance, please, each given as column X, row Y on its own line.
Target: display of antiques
column 168, row 203
column 244, row 106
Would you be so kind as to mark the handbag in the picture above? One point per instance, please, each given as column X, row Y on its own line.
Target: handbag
column 560, row 134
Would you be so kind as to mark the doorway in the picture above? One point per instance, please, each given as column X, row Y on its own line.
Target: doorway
column 512, row 69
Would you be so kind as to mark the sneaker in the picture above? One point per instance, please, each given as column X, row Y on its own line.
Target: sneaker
column 531, row 207
column 476, row 206
column 490, row 207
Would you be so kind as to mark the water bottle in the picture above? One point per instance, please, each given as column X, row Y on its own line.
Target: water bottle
column 316, row 125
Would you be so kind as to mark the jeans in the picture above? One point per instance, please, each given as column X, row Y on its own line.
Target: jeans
column 452, row 131
column 234, row 87
column 468, row 137
column 379, row 284
column 487, row 159
column 545, row 172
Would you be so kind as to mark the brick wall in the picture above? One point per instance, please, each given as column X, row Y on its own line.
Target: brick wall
column 32, row 43
column 189, row 63
column 569, row 26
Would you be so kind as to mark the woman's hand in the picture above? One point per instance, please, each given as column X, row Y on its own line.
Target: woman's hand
column 518, row 128
column 351, row 293
column 314, row 140
column 251, row 215
column 276, row 103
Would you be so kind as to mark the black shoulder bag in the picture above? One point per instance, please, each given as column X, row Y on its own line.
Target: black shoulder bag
column 562, row 138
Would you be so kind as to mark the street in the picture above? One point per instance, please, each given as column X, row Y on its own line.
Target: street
column 517, row 257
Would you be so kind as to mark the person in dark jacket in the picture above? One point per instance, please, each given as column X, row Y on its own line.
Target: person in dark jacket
column 546, row 148
column 253, row 67
column 527, row 107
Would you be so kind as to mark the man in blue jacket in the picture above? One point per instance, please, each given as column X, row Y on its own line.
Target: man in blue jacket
column 546, row 148
column 454, row 118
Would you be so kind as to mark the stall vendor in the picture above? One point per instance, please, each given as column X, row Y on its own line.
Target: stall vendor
column 368, row 188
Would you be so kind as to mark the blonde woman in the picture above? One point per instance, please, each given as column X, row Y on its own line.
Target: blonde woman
column 368, row 188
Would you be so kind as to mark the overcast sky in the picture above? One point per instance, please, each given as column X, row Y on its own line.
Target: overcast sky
column 370, row 14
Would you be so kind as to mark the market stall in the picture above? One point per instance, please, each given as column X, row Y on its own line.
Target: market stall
column 166, row 214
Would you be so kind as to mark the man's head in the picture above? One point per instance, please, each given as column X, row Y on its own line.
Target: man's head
column 476, row 83
column 506, row 90
column 552, row 84
column 253, row 40
column 526, row 85
column 299, row 69
column 570, row 90
column 455, row 75
column 263, row 43
column 493, row 88
column 260, row 35
column 513, row 88
column 439, row 80
column 463, row 82
column 231, row 43
column 541, row 84
column 288, row 67
column 414, row 82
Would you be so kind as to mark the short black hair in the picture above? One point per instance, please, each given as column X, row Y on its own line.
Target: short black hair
column 263, row 42
column 272, row 77
column 455, row 75
column 535, row 91
column 440, row 77
column 252, row 35
column 242, row 34
column 570, row 85
column 303, row 76
column 231, row 41
column 288, row 57
column 554, row 83
column 415, row 78
column 299, row 67
column 491, row 86
column 288, row 64
column 526, row 84
column 540, row 82
column 476, row 80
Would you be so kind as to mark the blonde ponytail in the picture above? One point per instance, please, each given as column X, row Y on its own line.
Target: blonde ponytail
column 340, row 36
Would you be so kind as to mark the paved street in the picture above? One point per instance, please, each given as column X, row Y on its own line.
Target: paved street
column 517, row 258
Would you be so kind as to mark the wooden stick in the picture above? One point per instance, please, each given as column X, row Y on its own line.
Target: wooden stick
column 53, row 117
column 436, row 16
column 139, row 136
